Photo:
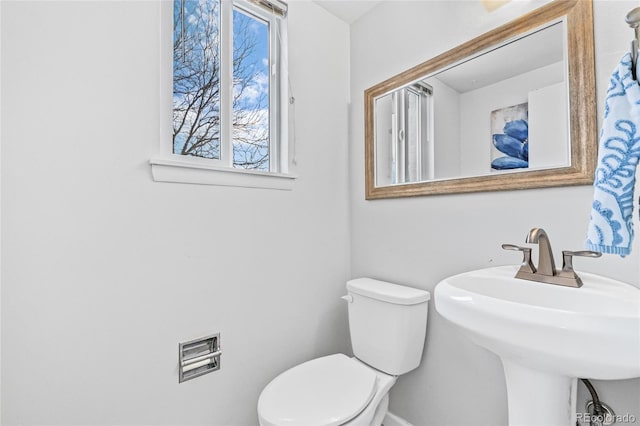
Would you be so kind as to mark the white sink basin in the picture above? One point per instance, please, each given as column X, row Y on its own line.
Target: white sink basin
column 547, row 335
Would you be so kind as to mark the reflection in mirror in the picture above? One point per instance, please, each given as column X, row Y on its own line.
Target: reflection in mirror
column 404, row 135
column 517, row 100
column 476, row 105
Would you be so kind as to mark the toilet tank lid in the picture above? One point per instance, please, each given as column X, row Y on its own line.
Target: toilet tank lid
column 387, row 292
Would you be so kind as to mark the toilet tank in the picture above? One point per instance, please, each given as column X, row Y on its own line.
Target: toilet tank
column 388, row 324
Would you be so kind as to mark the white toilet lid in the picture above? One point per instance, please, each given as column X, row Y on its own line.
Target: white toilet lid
column 326, row 391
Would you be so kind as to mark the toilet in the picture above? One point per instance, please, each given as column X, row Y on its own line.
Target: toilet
column 388, row 324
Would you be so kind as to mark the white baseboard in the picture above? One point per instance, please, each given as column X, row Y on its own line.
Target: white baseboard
column 391, row 419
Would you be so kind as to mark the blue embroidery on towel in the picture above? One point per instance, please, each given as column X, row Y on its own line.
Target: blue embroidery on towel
column 614, row 225
column 611, row 220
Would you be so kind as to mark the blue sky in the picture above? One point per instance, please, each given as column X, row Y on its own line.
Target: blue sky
column 255, row 96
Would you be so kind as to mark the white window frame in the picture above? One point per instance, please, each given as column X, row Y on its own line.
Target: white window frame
column 169, row 167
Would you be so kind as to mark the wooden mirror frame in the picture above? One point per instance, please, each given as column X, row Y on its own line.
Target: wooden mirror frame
column 582, row 107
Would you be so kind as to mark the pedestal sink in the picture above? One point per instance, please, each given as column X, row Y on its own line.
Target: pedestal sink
column 546, row 335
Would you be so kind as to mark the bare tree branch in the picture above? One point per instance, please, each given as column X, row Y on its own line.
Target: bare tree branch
column 196, row 87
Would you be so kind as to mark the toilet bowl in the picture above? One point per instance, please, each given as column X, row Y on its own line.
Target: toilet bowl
column 387, row 323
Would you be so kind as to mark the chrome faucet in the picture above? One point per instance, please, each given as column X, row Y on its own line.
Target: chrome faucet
column 546, row 270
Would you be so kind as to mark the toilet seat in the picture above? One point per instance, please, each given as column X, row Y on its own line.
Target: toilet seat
column 327, row 391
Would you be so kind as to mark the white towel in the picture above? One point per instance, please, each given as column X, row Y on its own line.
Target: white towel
column 611, row 223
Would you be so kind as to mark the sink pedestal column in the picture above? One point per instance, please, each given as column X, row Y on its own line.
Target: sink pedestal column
column 537, row 398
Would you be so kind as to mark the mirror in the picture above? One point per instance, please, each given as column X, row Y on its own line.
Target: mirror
column 464, row 122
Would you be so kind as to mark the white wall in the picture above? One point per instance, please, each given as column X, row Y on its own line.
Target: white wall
column 446, row 110
column 548, row 123
column 421, row 240
column 105, row 271
column 0, row 214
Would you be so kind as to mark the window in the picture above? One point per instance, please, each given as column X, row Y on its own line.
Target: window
column 228, row 117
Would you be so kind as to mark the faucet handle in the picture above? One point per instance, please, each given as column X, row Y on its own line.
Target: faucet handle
column 583, row 253
column 567, row 260
column 567, row 264
column 527, row 265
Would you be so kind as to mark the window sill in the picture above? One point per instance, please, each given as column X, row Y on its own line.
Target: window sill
column 177, row 171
